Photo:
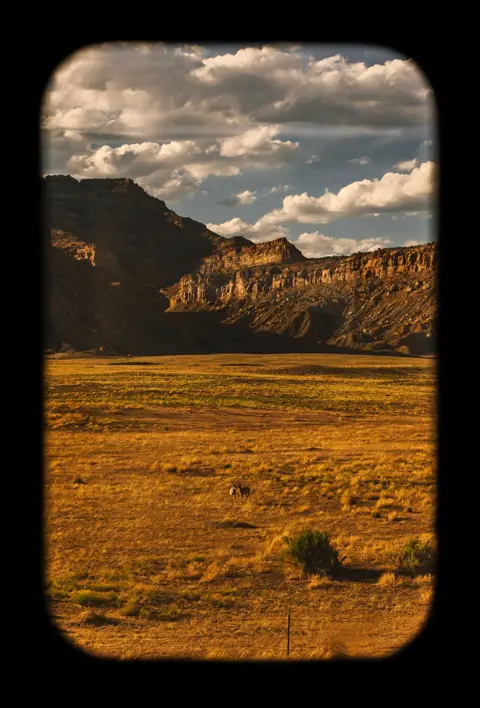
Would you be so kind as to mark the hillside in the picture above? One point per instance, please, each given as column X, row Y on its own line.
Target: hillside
column 127, row 274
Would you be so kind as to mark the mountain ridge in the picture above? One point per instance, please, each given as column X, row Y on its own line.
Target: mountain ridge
column 128, row 274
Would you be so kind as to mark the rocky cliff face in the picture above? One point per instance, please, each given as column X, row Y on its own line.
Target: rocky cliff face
column 380, row 300
column 234, row 255
column 127, row 274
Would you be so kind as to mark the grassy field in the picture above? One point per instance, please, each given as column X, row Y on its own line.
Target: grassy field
column 147, row 554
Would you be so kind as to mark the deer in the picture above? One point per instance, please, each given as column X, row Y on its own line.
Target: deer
column 233, row 491
column 244, row 491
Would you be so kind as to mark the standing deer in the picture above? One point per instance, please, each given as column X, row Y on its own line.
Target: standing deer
column 233, row 491
column 244, row 491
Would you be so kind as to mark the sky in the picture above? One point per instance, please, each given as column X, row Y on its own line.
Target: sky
column 330, row 146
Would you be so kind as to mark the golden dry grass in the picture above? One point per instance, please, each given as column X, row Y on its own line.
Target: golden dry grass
column 150, row 557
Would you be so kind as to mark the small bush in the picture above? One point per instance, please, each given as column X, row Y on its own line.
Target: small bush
column 218, row 601
column 387, row 580
column 79, row 480
column 190, row 596
column 162, row 614
column 416, row 558
column 90, row 598
column 132, row 607
column 426, row 595
column 319, row 582
column 312, row 549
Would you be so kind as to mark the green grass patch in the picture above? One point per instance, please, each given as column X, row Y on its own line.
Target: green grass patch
column 90, row 598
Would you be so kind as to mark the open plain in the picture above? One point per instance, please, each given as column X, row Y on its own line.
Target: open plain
column 147, row 554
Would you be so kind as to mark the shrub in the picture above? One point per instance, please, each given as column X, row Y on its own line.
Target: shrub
column 161, row 614
column 312, row 549
column 417, row 558
column 90, row 598
column 387, row 580
column 132, row 607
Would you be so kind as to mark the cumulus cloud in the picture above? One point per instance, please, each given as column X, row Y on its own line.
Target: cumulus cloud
column 328, row 91
column 173, row 170
column 258, row 142
column 245, row 197
column 393, row 192
column 407, row 165
column 316, row 245
column 360, row 161
column 279, row 188
column 412, row 242
column 312, row 245
column 254, row 232
column 140, row 93
column 172, row 116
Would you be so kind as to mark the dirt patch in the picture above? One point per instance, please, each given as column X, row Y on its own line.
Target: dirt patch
column 229, row 418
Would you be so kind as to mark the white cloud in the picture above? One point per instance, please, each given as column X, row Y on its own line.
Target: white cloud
column 412, row 243
column 312, row 245
column 179, row 186
column 154, row 93
column 331, row 90
column 245, row 197
column 257, row 141
column 360, row 161
column 316, row 245
column 172, row 170
column 407, row 165
column 425, row 149
column 257, row 234
column 393, row 192
column 279, row 188
column 171, row 116
column 136, row 160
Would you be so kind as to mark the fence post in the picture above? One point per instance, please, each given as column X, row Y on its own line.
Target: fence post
column 288, row 635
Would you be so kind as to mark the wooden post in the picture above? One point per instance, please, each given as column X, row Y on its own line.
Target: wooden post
column 288, row 635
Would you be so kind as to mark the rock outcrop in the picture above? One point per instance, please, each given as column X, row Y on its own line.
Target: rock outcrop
column 127, row 274
column 380, row 300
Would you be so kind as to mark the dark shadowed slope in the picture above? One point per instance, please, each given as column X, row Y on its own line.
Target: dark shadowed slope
column 126, row 273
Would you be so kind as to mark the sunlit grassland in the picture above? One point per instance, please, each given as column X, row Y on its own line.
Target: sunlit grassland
column 150, row 557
